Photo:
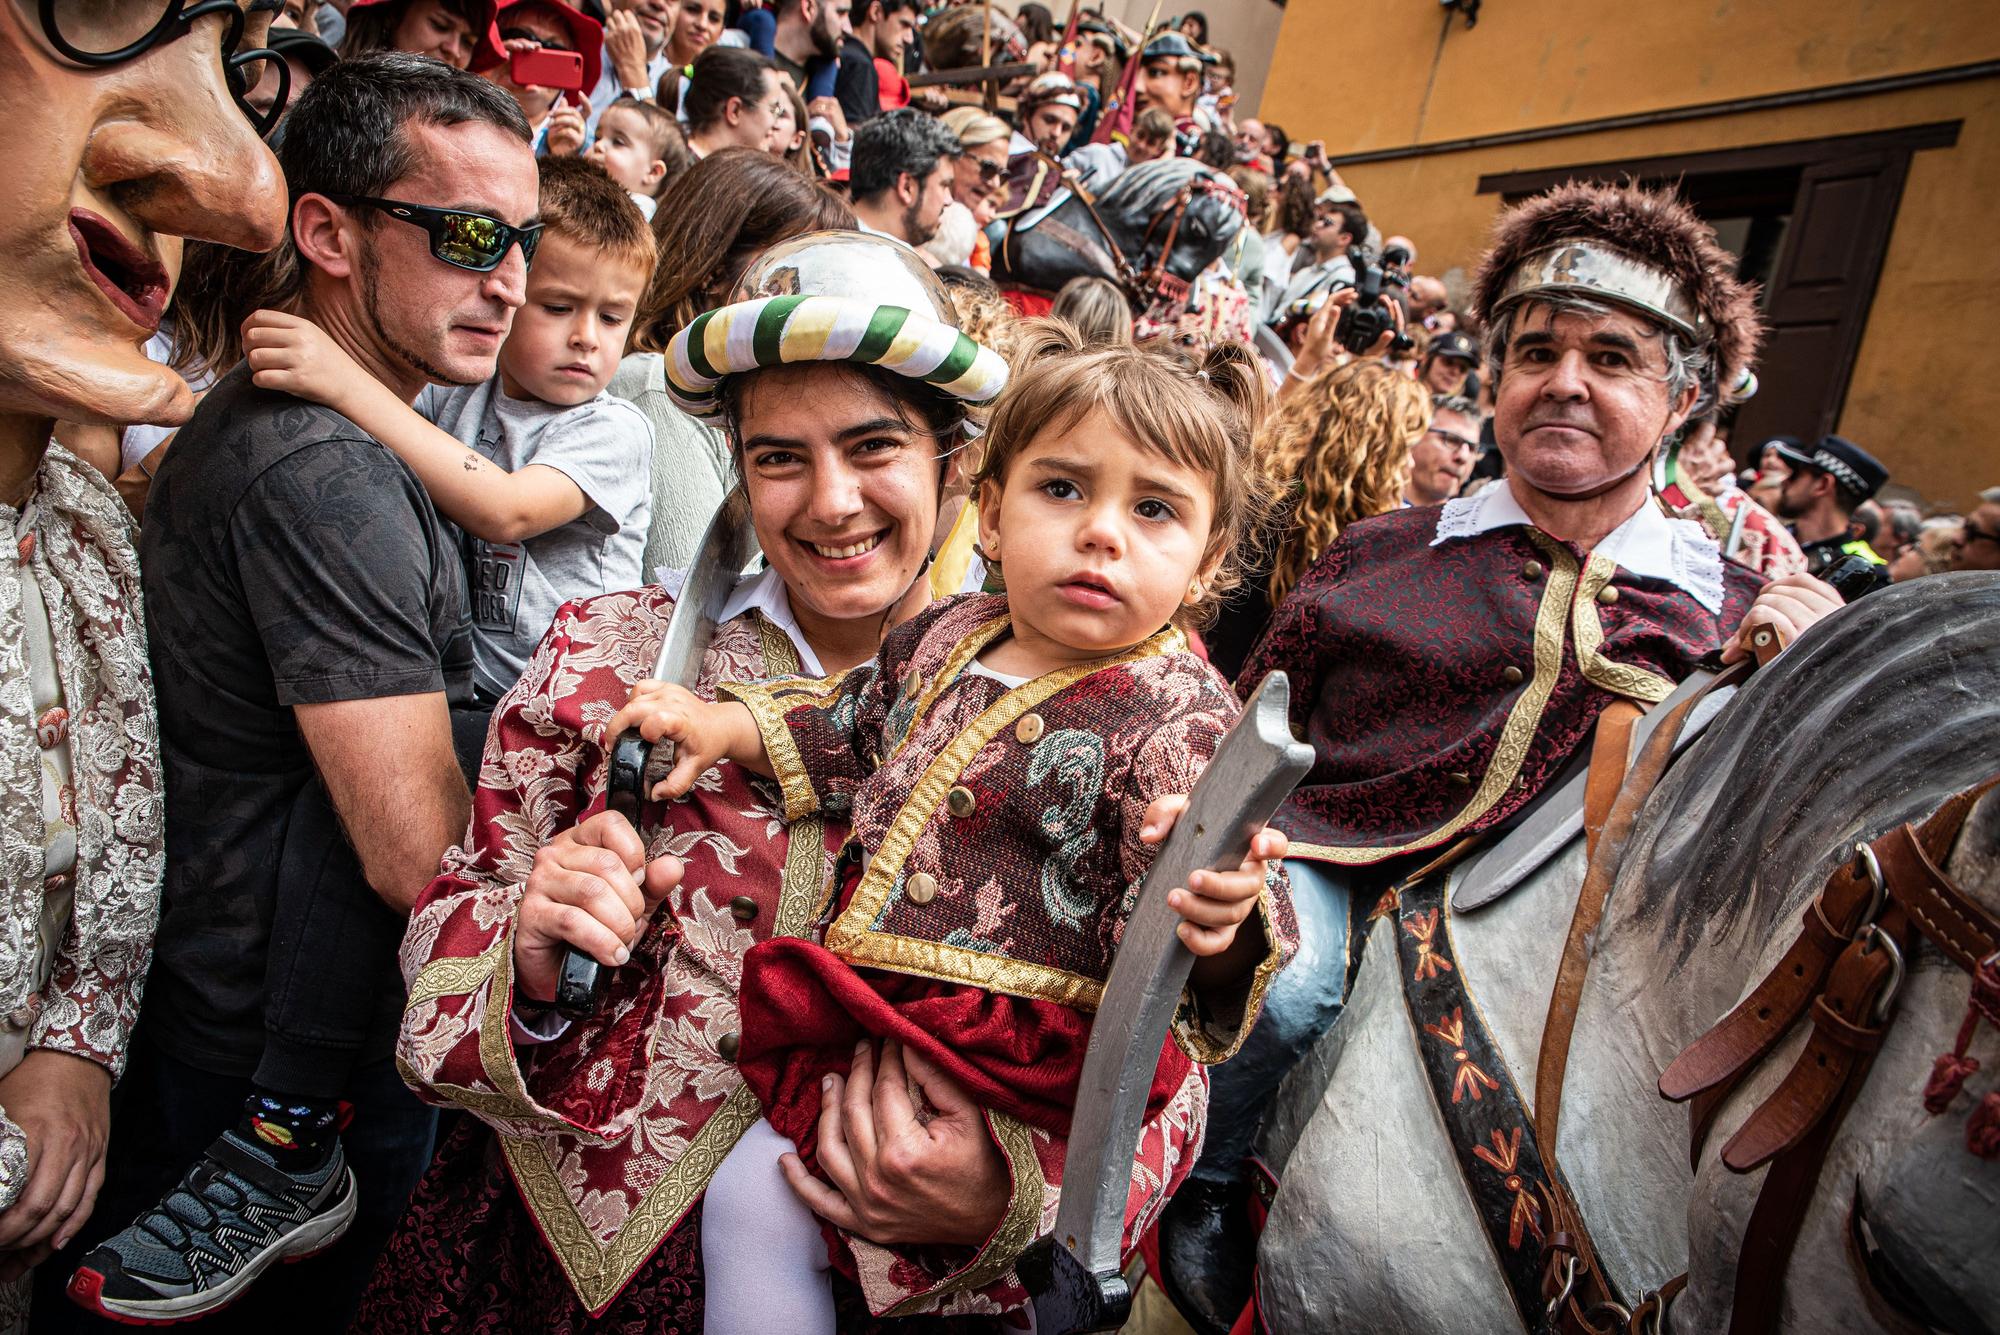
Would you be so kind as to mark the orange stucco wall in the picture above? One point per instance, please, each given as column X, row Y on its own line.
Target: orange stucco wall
column 1374, row 74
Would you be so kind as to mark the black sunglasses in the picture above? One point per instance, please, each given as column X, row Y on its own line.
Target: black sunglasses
column 466, row 240
column 991, row 172
column 111, row 34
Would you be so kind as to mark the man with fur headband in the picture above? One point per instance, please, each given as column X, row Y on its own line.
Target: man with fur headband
column 1449, row 663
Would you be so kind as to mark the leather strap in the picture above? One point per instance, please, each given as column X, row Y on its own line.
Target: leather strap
column 1614, row 834
column 1712, row 1066
column 1610, row 757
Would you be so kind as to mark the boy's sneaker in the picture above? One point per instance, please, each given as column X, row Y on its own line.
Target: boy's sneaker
column 233, row 1216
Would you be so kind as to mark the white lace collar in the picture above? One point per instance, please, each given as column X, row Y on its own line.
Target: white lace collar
column 1648, row 544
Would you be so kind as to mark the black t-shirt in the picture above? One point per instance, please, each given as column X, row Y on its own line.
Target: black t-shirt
column 857, row 85
column 288, row 559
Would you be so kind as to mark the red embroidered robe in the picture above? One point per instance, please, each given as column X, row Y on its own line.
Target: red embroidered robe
column 611, row 1132
column 995, row 860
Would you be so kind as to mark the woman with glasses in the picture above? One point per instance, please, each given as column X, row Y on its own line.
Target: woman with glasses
column 979, row 179
column 454, row 31
column 129, row 134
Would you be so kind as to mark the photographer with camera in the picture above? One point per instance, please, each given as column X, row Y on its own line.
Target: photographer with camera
column 1336, row 229
column 1353, row 322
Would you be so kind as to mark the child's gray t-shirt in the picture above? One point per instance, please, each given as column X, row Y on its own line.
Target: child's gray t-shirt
column 605, row 446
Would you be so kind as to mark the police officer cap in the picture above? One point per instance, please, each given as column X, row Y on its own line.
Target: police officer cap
column 1854, row 468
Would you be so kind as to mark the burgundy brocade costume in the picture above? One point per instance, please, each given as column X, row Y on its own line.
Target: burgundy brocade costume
column 998, row 830
column 1444, row 684
column 572, row 1203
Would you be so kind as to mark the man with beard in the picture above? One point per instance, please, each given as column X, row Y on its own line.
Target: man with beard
column 1610, row 316
column 809, row 32
column 1828, row 484
column 308, row 630
column 902, row 174
column 1046, row 112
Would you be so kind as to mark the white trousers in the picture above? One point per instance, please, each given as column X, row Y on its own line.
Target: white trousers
column 763, row 1260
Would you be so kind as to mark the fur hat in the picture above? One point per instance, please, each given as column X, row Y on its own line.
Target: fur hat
column 1652, row 228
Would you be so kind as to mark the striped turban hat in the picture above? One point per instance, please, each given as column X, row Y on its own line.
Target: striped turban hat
column 832, row 297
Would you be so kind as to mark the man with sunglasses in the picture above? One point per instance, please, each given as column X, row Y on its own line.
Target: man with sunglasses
column 309, row 626
column 1979, row 540
column 1443, row 456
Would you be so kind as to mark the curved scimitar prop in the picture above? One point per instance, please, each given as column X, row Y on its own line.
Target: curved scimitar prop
column 1074, row 1273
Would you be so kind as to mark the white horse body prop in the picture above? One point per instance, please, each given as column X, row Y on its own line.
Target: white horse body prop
column 1872, row 719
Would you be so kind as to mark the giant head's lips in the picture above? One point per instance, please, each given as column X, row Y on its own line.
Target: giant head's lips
column 134, row 281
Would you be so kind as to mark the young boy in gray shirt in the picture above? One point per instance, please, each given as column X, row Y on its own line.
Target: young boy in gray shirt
column 545, row 473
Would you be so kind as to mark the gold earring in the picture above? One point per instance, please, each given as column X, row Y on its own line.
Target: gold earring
column 1194, row 592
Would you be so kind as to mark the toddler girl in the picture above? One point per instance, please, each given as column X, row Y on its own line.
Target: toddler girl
column 995, row 761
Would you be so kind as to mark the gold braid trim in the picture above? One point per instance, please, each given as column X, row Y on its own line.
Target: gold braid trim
column 768, row 703
column 597, row 1272
column 853, row 936
column 455, row 975
column 1515, row 734
column 1619, row 678
column 1019, row 1226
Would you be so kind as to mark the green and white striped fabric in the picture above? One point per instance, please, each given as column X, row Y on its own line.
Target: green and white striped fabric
column 779, row 331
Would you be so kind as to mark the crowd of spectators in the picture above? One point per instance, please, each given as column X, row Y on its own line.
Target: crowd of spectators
column 361, row 612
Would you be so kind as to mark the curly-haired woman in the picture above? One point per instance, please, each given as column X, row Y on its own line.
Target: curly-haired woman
column 1340, row 447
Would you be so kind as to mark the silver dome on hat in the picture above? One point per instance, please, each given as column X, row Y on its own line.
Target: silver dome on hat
column 856, row 265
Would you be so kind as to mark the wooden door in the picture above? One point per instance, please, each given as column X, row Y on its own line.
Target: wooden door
column 1817, row 306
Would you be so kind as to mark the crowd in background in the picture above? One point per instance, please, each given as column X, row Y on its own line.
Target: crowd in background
column 675, row 143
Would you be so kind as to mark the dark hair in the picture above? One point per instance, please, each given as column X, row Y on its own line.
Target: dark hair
column 1281, row 145
column 1036, row 23
column 718, row 74
column 581, row 203
column 889, row 7
column 918, row 405
column 347, row 134
column 1216, row 150
column 373, row 28
column 1198, row 17
column 899, row 141
column 1455, row 403
column 730, row 206
column 1352, row 220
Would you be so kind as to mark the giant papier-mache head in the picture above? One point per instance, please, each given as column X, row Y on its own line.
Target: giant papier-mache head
column 1642, row 251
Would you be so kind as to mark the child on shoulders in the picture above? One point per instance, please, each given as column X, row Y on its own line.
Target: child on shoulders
column 544, row 471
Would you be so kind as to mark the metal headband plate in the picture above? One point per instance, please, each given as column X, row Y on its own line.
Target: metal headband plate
column 1590, row 269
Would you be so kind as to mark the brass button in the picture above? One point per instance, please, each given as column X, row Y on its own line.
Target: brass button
column 1460, row 779
column 1029, row 730
column 1607, row 595
column 725, row 1047
column 1512, row 675
column 743, row 909
column 961, row 802
column 911, row 685
column 1532, row 570
column 921, row 888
